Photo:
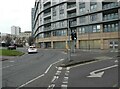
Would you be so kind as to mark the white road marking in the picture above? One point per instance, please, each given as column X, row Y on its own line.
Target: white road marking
column 64, row 52
column 6, row 67
column 67, row 73
column 11, row 61
column 48, row 69
column 52, row 65
column 104, row 69
column 58, row 73
column 65, row 80
column 40, row 75
column 96, row 74
column 116, row 60
column 64, row 86
column 59, row 68
column 30, row 81
column 68, row 68
column 51, row 86
column 93, row 74
column 115, row 85
column 54, row 78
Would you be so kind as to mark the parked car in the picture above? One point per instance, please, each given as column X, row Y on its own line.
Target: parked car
column 11, row 47
column 32, row 49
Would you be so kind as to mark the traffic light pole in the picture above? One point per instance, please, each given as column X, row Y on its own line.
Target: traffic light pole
column 69, row 49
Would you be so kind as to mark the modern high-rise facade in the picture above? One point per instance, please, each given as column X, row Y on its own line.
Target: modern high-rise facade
column 32, row 19
column 15, row 30
column 97, row 23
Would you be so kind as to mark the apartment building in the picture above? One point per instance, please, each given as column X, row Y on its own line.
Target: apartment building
column 97, row 23
column 15, row 30
column 32, row 19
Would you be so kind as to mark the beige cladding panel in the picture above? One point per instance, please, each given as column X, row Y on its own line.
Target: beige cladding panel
column 90, row 36
column 98, row 36
column 105, row 44
column 110, row 35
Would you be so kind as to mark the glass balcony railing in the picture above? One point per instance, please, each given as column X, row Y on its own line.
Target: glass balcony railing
column 45, row 7
column 71, row 15
column 73, row 23
column 110, row 5
column 47, row 28
column 110, row 16
column 45, row 14
column 71, row 6
column 47, row 21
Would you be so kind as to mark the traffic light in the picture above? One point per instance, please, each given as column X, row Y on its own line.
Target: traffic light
column 74, row 35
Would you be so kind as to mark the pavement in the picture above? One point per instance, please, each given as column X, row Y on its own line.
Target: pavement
column 83, row 56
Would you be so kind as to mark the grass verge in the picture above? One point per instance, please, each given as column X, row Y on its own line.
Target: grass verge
column 6, row 52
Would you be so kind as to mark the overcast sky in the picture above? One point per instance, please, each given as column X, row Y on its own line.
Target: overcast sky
column 17, row 13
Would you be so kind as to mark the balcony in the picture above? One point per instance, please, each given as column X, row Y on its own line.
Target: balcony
column 110, row 5
column 47, row 21
column 73, row 23
column 47, row 5
column 110, row 16
column 71, row 15
column 46, row 14
column 71, row 6
column 47, row 28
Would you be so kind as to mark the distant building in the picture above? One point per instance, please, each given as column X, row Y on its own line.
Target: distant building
column 15, row 30
column 25, row 34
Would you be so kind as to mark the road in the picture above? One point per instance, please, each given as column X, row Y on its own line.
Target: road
column 42, row 70
column 27, row 67
column 106, row 75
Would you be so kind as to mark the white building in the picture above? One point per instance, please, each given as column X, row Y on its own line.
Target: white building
column 15, row 30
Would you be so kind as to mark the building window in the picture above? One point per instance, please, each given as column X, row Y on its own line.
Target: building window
column 93, row 17
column 93, row 6
column 110, row 16
column 47, row 34
column 61, row 8
column 111, row 27
column 61, row 24
column 116, row 27
column 105, row 28
column 107, row 5
column 95, row 28
column 81, row 30
column 59, row 33
column 82, row 19
column 82, row 6
column 54, row 25
column 54, row 11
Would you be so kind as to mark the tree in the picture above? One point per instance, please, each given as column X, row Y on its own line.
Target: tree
column 8, row 40
column 31, row 40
